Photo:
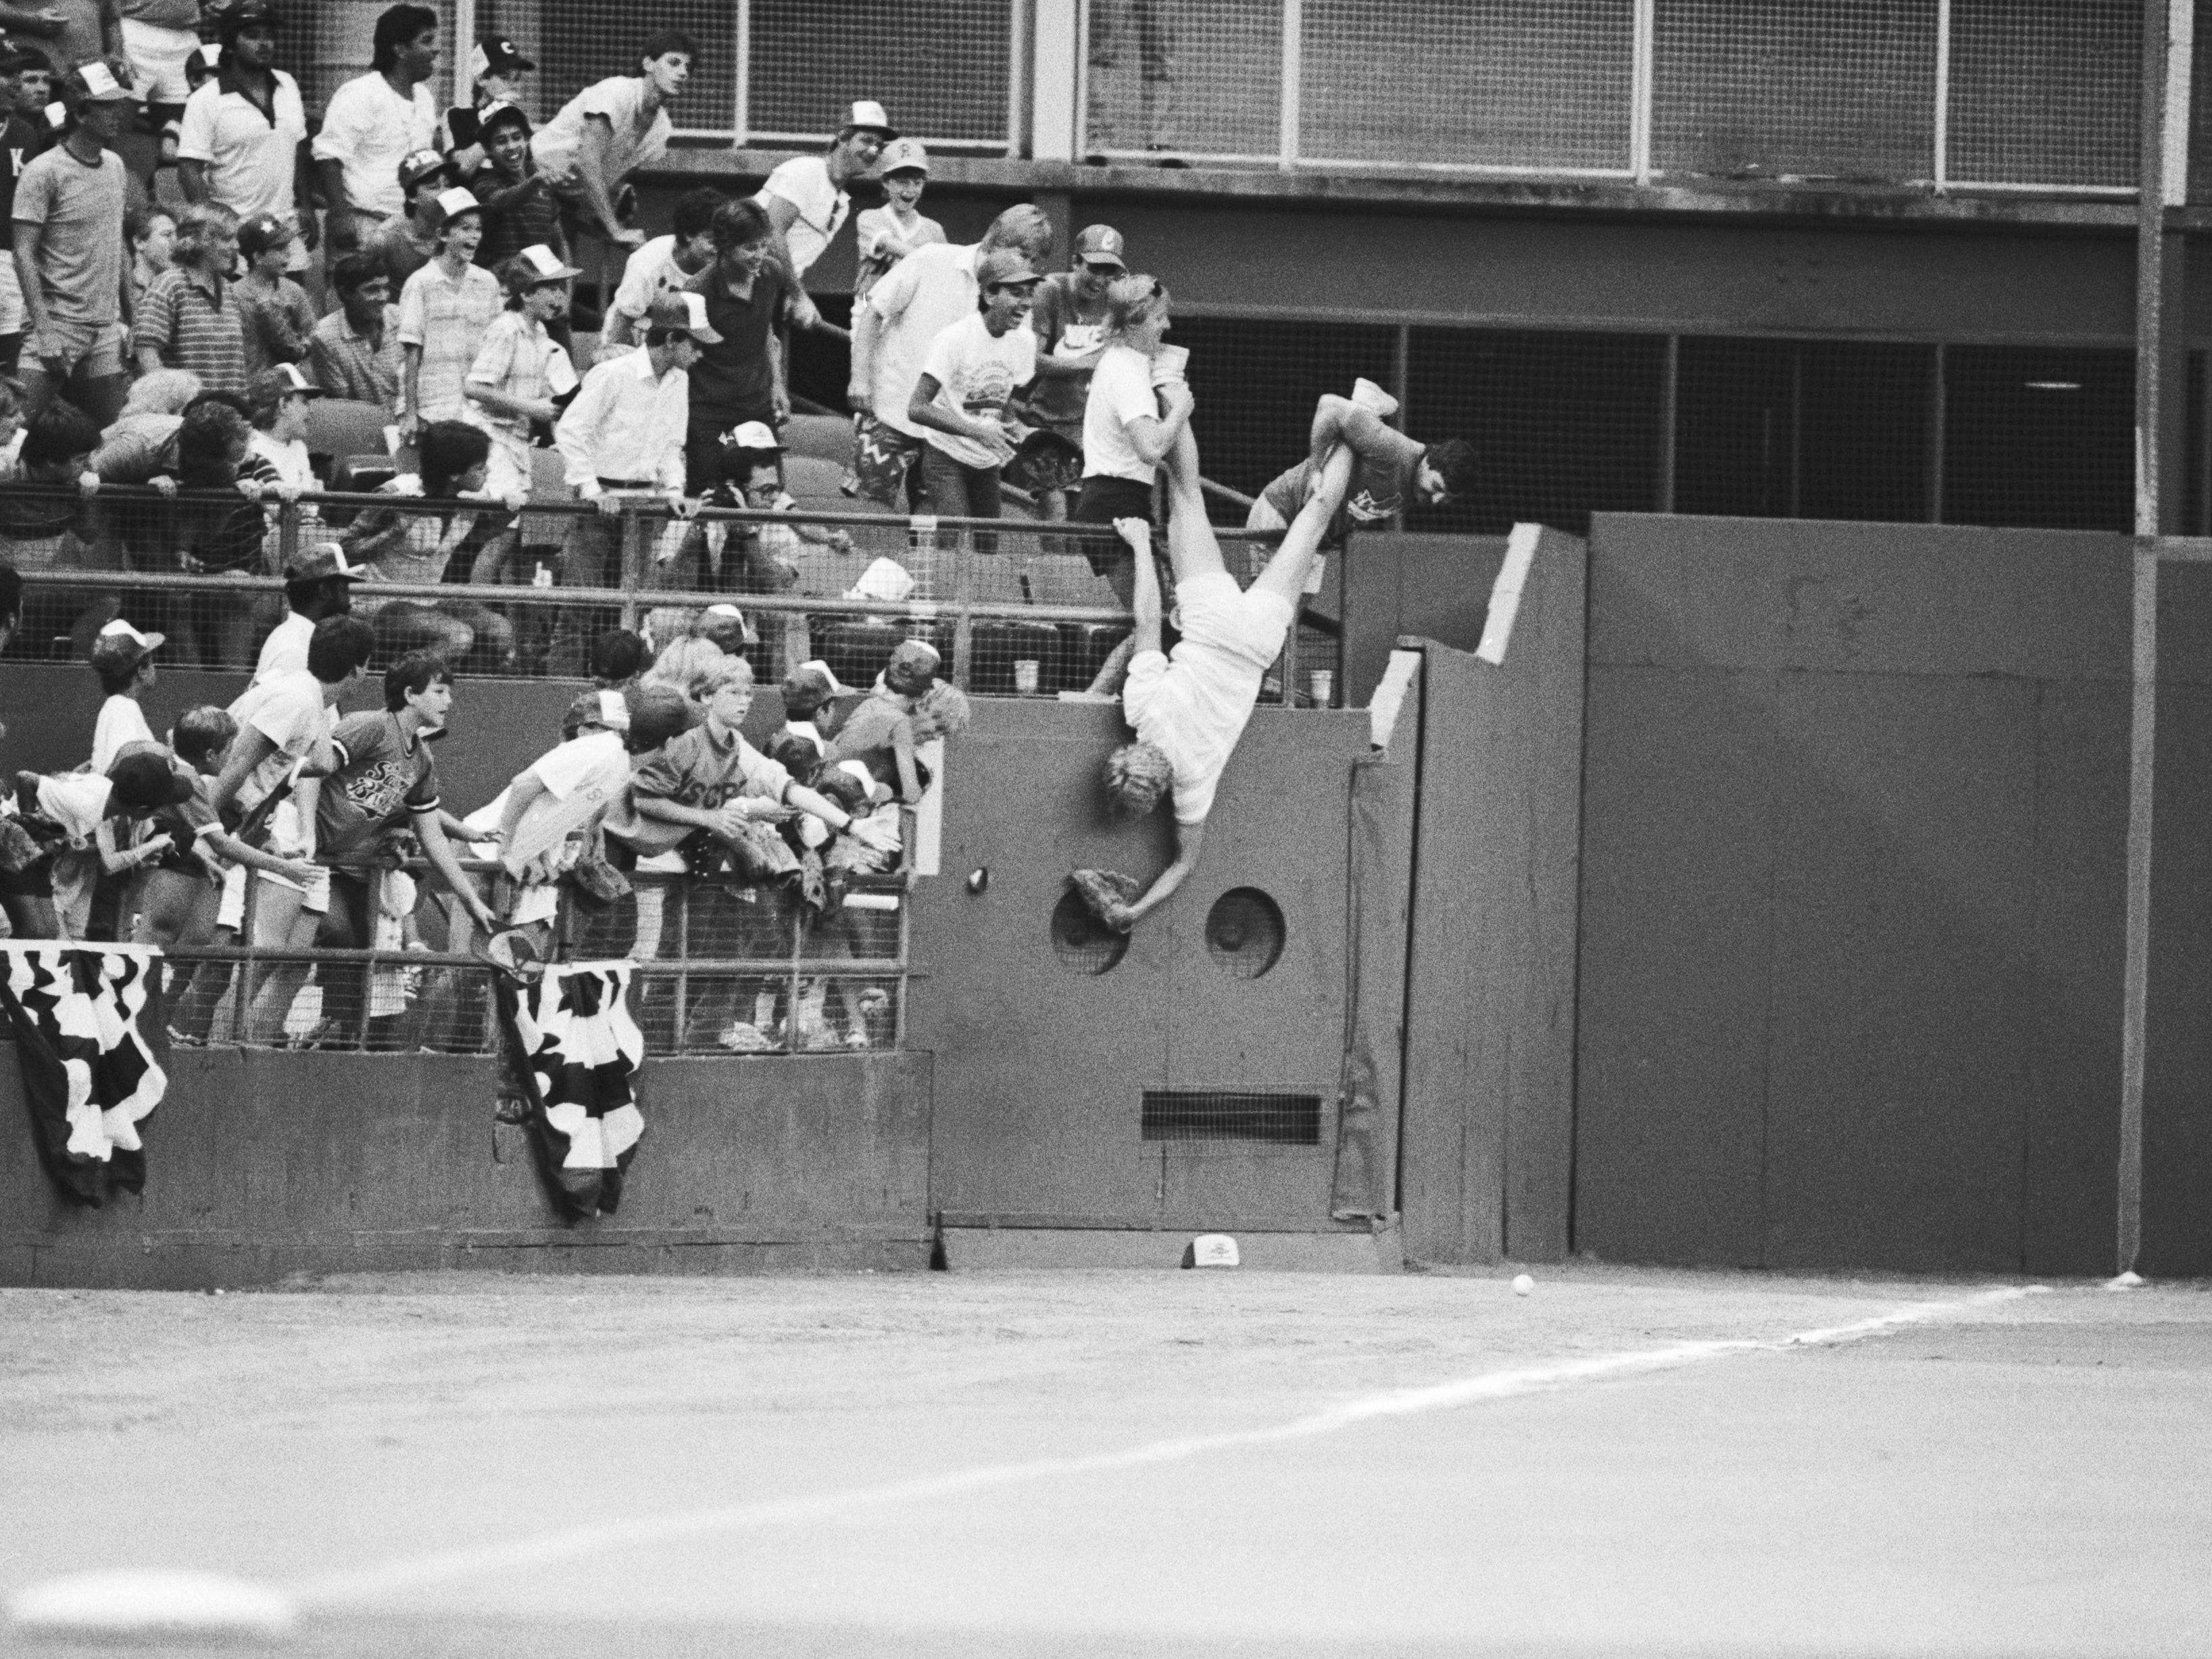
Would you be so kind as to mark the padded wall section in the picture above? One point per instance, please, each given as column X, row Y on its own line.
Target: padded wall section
column 1855, row 821
column 1490, row 1020
column 2178, row 1057
column 1041, row 1067
column 1435, row 587
column 262, row 1165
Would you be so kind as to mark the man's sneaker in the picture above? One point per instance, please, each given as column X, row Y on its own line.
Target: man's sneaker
column 1372, row 397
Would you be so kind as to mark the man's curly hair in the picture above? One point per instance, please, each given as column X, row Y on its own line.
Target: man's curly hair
column 1137, row 776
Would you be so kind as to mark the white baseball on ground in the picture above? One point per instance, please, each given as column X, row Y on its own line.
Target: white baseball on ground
column 1522, row 1285
column 154, row 1602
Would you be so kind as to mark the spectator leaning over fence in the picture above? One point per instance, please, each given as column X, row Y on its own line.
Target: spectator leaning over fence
column 1389, row 468
column 46, row 532
column 384, row 784
column 520, row 209
column 967, row 379
column 243, row 140
column 888, row 233
column 69, row 251
column 374, row 122
column 609, row 130
column 624, row 435
column 318, row 585
column 355, row 352
column 400, row 544
column 214, row 533
column 266, row 795
column 925, row 294
column 20, row 139
column 444, row 311
column 405, row 243
column 1069, row 321
column 496, row 67
column 190, row 318
column 275, row 314
column 806, row 199
column 663, row 266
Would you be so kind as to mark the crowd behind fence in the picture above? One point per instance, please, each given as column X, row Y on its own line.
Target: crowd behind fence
column 1972, row 94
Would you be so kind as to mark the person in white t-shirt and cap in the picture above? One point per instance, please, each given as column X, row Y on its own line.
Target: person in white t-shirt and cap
column 973, row 370
column 807, row 199
column 318, row 583
column 1189, row 708
column 122, row 657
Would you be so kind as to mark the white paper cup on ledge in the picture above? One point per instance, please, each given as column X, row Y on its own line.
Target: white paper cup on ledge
column 1321, row 686
column 1025, row 676
column 1169, row 363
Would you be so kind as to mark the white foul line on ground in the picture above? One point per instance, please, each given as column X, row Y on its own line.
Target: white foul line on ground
column 577, row 1542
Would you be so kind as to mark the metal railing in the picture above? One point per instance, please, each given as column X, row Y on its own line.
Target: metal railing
column 1011, row 603
column 684, row 1000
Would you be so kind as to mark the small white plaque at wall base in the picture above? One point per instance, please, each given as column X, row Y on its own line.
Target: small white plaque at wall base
column 1211, row 1250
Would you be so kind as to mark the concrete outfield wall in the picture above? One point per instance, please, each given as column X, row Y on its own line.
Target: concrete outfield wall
column 261, row 1165
column 1854, row 837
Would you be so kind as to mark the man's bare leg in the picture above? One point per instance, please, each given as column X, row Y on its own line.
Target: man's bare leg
column 1285, row 574
column 1193, row 548
column 1339, row 420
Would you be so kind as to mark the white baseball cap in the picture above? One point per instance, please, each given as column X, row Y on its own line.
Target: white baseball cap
column 869, row 116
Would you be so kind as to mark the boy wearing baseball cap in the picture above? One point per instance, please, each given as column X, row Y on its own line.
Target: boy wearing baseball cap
column 521, row 211
column 971, row 374
column 888, row 233
column 123, row 659
column 274, row 311
column 445, row 311
column 496, row 67
column 69, row 242
column 807, row 197
column 519, row 371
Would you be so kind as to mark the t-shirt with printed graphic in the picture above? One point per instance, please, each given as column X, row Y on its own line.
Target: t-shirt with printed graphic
column 1376, row 495
column 382, row 778
column 697, row 769
column 19, row 143
column 978, row 372
column 1058, row 400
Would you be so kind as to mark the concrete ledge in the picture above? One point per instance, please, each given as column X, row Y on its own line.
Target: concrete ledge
column 1029, row 1249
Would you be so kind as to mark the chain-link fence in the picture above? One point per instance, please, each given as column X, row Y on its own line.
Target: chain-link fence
column 1988, row 93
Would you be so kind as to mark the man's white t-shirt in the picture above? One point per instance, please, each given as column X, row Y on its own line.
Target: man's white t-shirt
column 290, row 461
column 977, row 374
column 1193, row 705
column 619, row 99
column 804, row 181
column 369, row 130
column 922, row 296
column 287, row 708
column 1120, row 391
column 649, row 273
column 285, row 650
column 121, row 721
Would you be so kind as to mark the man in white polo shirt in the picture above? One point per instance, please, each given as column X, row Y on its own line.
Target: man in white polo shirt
column 807, row 199
column 244, row 132
column 374, row 122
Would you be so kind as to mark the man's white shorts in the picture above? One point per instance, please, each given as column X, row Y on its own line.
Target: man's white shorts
column 157, row 60
column 1248, row 625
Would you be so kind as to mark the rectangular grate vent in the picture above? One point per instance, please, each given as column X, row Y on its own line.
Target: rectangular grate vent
column 1211, row 1115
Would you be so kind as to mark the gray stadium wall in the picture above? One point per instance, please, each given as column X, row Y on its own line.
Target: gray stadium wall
column 1854, row 840
column 262, row 1165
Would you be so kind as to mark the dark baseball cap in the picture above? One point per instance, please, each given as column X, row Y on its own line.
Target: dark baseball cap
column 314, row 564
column 143, row 780
column 494, row 54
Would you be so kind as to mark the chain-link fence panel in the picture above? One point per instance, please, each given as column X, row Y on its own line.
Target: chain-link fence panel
column 2039, row 436
column 941, row 69
column 576, row 43
column 1188, row 77
column 1562, row 425
column 1543, row 86
column 1829, row 88
column 2045, row 92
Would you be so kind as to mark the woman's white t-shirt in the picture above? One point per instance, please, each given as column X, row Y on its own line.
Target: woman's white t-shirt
column 1120, row 391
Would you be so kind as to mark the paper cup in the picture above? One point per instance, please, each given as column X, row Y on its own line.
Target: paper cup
column 1321, row 686
column 1025, row 676
column 1169, row 363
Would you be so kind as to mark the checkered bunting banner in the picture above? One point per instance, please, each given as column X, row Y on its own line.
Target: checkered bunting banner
column 570, row 1036
column 89, row 1077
